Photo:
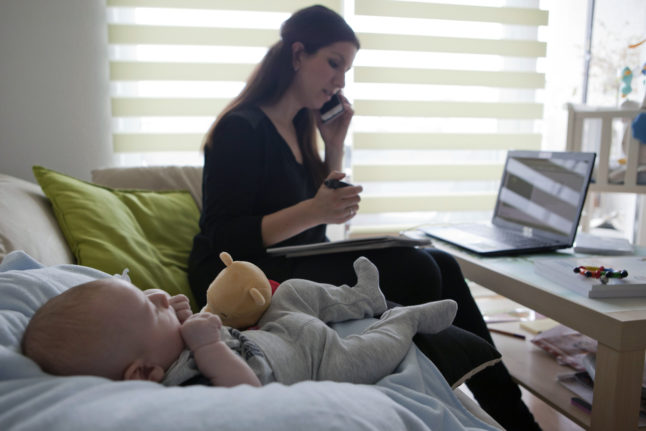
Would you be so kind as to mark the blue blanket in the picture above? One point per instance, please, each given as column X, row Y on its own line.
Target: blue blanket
column 414, row 397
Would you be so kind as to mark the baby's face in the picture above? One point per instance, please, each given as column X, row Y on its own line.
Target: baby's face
column 153, row 326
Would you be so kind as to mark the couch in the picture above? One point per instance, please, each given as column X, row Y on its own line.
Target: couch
column 141, row 220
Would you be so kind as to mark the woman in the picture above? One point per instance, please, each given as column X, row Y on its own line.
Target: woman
column 262, row 187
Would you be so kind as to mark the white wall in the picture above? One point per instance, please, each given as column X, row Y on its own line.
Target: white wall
column 54, row 103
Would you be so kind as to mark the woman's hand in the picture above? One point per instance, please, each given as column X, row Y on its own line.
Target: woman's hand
column 336, row 205
column 334, row 133
column 327, row 206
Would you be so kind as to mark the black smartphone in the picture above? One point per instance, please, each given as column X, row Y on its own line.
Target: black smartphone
column 335, row 184
column 332, row 108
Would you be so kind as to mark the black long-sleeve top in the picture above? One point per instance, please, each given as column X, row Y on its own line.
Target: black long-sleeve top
column 249, row 172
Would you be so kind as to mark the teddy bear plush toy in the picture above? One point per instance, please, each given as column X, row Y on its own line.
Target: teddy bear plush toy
column 240, row 293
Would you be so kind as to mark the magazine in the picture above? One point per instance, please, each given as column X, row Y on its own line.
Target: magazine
column 581, row 384
column 568, row 346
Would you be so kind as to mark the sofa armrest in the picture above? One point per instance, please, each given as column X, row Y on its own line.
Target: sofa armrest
column 28, row 223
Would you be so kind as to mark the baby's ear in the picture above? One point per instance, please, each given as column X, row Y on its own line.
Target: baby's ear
column 138, row 370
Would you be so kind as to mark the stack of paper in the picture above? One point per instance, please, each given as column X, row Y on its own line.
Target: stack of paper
column 594, row 244
column 561, row 271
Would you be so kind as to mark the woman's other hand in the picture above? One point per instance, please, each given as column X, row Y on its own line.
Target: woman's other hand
column 336, row 205
column 328, row 206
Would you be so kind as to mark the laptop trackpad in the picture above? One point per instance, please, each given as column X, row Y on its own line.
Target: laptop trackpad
column 466, row 238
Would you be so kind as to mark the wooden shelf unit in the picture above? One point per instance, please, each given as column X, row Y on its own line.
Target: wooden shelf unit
column 578, row 115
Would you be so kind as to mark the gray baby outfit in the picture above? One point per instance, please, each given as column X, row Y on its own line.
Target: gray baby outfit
column 295, row 341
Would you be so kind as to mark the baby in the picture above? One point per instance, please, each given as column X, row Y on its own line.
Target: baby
column 109, row 328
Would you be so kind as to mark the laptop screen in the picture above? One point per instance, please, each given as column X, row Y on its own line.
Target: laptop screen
column 542, row 193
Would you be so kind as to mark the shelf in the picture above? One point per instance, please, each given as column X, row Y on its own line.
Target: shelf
column 601, row 142
column 618, row 188
column 536, row 371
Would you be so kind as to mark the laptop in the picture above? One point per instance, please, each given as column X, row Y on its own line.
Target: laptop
column 538, row 207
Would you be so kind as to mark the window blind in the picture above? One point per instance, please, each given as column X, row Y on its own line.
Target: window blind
column 440, row 93
column 441, row 90
column 174, row 64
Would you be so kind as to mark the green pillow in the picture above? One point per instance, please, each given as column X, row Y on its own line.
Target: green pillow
column 149, row 232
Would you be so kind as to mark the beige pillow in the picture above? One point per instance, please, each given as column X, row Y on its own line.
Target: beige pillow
column 153, row 178
column 27, row 223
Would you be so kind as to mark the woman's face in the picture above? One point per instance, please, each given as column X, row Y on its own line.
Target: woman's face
column 322, row 74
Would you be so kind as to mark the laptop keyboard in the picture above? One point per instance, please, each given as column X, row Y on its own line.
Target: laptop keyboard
column 506, row 236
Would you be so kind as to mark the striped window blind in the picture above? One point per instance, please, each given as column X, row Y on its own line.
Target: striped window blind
column 441, row 90
column 174, row 64
column 440, row 94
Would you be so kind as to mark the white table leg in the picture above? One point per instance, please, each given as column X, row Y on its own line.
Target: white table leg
column 617, row 389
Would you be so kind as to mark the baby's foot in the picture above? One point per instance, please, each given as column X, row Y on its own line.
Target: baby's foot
column 368, row 283
column 430, row 317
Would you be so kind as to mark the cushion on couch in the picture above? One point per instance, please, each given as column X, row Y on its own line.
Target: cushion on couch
column 153, row 178
column 150, row 233
column 27, row 223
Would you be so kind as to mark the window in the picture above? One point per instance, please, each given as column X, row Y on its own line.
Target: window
column 174, row 64
column 441, row 91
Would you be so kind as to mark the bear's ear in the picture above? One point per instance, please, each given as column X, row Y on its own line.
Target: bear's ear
column 226, row 258
column 257, row 296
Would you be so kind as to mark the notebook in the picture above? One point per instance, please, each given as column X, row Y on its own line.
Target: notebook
column 538, row 207
column 369, row 243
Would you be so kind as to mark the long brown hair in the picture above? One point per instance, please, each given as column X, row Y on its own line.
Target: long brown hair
column 315, row 27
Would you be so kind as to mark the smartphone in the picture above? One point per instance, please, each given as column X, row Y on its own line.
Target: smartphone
column 336, row 184
column 332, row 108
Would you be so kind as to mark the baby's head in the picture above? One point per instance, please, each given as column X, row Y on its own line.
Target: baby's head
column 107, row 328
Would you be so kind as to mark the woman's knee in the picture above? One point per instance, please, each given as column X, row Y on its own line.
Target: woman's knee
column 445, row 261
column 409, row 276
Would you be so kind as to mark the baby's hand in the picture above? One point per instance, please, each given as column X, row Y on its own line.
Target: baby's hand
column 182, row 307
column 201, row 329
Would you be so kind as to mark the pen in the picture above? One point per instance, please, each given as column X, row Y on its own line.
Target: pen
column 511, row 334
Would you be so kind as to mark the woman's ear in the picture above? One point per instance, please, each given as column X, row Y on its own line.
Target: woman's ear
column 138, row 370
column 298, row 50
